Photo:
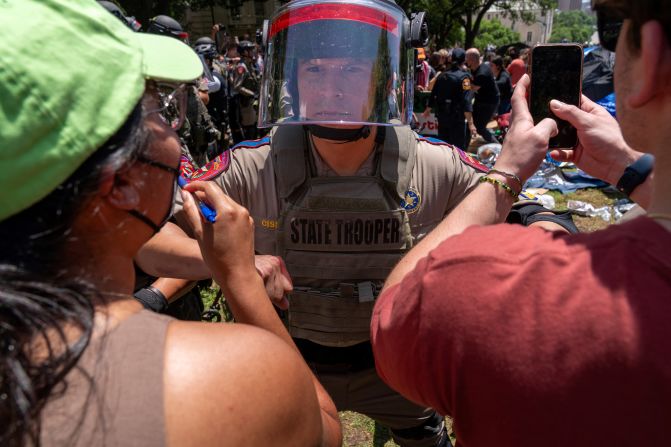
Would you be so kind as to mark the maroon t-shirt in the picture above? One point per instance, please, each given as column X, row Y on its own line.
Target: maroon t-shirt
column 516, row 68
column 527, row 337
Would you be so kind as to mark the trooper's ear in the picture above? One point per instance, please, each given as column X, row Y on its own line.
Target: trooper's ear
column 119, row 189
column 655, row 64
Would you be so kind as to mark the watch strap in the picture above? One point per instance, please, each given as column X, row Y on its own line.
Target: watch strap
column 635, row 174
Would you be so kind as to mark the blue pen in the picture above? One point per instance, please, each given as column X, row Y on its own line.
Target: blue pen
column 208, row 213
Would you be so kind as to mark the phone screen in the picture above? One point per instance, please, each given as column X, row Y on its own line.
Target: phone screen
column 556, row 73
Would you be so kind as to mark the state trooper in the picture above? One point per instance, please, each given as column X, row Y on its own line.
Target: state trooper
column 452, row 101
column 167, row 26
column 245, row 80
column 342, row 187
column 217, row 105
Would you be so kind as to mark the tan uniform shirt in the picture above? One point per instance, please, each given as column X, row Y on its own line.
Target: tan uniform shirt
column 441, row 177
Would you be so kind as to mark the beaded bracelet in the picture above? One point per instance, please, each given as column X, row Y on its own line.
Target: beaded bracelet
column 507, row 175
column 497, row 182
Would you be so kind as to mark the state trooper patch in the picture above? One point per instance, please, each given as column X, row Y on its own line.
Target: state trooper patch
column 466, row 84
column 411, row 201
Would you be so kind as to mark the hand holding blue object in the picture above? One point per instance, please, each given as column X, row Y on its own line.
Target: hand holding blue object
column 208, row 213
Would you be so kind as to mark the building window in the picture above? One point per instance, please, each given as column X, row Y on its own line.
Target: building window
column 529, row 36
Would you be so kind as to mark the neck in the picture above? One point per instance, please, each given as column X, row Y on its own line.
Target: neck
column 104, row 252
column 345, row 158
column 653, row 137
column 661, row 185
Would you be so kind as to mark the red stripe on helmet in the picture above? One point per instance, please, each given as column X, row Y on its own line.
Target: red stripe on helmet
column 335, row 11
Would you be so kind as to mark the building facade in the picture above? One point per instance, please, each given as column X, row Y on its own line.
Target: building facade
column 533, row 33
column 246, row 20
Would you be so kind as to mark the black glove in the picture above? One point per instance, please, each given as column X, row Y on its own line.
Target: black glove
column 528, row 213
column 152, row 299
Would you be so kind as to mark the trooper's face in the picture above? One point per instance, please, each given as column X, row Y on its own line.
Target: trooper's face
column 336, row 89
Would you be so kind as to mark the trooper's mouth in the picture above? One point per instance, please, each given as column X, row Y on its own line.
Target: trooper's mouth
column 333, row 114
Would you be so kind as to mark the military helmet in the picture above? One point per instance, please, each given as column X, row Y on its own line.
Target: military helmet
column 207, row 50
column 365, row 47
column 204, row 40
column 121, row 15
column 167, row 26
column 245, row 45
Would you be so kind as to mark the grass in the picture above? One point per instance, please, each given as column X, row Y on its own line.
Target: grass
column 597, row 197
column 361, row 431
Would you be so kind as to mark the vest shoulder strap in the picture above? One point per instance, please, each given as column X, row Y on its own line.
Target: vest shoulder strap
column 398, row 158
column 288, row 152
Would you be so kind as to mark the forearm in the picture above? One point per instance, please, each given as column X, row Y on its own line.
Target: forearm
column 486, row 204
column 173, row 288
column 246, row 91
column 469, row 117
column 166, row 260
column 171, row 253
column 249, row 303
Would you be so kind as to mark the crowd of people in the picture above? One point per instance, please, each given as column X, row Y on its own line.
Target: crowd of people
column 467, row 90
column 367, row 268
column 223, row 103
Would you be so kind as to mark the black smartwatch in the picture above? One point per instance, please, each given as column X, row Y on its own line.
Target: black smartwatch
column 635, row 174
column 152, row 299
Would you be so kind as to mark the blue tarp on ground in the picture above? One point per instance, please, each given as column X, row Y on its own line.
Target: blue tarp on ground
column 568, row 179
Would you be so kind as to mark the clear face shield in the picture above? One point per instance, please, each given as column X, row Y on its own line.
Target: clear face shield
column 337, row 63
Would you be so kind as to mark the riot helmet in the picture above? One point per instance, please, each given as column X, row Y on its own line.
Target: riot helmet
column 117, row 12
column 206, row 50
column 167, row 26
column 246, row 48
column 204, row 40
column 340, row 63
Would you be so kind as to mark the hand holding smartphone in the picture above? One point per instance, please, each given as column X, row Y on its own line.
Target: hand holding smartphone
column 556, row 73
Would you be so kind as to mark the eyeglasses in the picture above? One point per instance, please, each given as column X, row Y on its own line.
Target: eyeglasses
column 158, row 164
column 609, row 24
column 172, row 104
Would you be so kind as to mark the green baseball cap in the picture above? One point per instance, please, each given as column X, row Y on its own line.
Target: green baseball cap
column 70, row 75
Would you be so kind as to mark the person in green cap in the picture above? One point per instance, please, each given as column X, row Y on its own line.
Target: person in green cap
column 89, row 166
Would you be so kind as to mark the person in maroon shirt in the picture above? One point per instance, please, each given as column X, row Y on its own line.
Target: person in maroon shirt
column 527, row 337
column 518, row 65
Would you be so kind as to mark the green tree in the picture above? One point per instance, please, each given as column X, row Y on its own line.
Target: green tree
column 573, row 26
column 492, row 32
column 446, row 15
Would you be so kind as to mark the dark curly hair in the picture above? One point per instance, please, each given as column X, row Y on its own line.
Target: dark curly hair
column 39, row 299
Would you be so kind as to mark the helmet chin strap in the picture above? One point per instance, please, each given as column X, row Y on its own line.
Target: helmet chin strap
column 340, row 135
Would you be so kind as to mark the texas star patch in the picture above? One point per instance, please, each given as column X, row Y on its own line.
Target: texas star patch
column 466, row 84
column 411, row 201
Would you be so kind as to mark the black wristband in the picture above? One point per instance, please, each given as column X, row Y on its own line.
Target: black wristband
column 635, row 174
column 152, row 299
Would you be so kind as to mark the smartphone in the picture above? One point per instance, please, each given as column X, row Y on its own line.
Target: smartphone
column 556, row 73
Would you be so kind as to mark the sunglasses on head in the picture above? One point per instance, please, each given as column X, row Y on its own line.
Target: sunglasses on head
column 609, row 23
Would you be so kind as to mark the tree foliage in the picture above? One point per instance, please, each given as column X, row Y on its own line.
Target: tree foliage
column 573, row 26
column 446, row 16
column 492, row 32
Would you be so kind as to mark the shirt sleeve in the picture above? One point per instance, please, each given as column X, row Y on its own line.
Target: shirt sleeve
column 464, row 173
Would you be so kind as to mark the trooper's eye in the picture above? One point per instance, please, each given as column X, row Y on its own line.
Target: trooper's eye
column 312, row 69
column 352, row 69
